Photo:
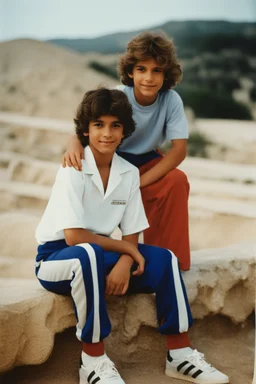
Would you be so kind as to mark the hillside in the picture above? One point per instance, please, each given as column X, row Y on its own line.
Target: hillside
column 218, row 57
column 191, row 37
column 40, row 79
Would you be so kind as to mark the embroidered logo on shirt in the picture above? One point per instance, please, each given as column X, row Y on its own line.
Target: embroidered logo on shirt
column 118, row 202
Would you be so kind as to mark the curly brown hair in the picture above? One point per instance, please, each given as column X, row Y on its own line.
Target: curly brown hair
column 148, row 45
column 102, row 102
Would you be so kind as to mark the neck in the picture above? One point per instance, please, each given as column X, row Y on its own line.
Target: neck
column 102, row 160
column 144, row 100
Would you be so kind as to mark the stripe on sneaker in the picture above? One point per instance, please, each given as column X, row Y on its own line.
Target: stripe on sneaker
column 197, row 373
column 169, row 358
column 90, row 376
column 95, row 380
column 182, row 365
column 188, row 369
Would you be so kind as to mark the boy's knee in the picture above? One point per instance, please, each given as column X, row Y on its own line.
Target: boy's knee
column 168, row 260
column 176, row 177
column 86, row 251
column 163, row 257
column 98, row 251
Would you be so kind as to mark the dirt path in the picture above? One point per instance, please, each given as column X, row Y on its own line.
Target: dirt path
column 228, row 347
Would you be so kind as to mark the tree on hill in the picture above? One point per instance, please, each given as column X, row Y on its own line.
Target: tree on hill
column 209, row 104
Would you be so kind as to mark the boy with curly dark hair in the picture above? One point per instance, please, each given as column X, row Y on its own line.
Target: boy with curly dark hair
column 77, row 256
column 149, row 69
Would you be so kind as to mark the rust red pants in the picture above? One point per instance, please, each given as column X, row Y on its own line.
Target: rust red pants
column 166, row 206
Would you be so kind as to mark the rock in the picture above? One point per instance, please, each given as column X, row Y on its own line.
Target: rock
column 209, row 169
column 19, row 195
column 208, row 229
column 234, row 140
column 29, row 318
column 17, row 236
column 8, row 268
column 220, row 282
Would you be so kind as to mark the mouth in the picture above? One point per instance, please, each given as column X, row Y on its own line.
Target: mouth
column 148, row 86
column 106, row 142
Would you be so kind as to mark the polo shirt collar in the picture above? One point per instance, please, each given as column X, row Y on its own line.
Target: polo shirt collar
column 118, row 167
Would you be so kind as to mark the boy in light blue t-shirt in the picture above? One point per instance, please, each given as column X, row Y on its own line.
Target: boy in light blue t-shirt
column 149, row 69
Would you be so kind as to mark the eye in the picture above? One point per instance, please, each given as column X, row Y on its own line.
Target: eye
column 117, row 125
column 97, row 124
column 159, row 70
column 140, row 69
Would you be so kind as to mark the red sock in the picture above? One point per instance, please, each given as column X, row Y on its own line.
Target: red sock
column 94, row 349
column 180, row 340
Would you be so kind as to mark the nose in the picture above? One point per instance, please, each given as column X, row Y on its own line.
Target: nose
column 148, row 76
column 107, row 131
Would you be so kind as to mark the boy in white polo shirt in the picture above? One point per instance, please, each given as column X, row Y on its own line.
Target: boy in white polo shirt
column 76, row 255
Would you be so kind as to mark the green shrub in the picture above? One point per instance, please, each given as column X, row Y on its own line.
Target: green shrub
column 207, row 103
column 249, row 181
column 106, row 70
column 253, row 94
column 198, row 144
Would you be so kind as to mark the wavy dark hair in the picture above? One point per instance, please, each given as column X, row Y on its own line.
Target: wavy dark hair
column 148, row 45
column 100, row 102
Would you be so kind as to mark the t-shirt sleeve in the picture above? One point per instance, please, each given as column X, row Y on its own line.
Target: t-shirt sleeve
column 134, row 219
column 176, row 121
column 66, row 199
column 120, row 87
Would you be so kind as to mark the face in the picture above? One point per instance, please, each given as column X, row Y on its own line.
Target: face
column 148, row 78
column 105, row 134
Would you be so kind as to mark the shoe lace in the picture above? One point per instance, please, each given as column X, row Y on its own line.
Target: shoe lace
column 198, row 359
column 106, row 369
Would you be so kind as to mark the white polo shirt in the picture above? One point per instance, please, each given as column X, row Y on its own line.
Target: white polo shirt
column 78, row 201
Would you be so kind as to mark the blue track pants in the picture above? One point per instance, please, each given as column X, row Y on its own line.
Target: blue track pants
column 81, row 270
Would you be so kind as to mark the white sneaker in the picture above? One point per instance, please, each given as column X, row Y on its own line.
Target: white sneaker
column 193, row 367
column 102, row 372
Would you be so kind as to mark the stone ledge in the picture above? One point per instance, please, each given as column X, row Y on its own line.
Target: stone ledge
column 221, row 281
column 29, row 319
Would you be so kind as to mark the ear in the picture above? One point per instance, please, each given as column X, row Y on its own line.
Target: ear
column 130, row 75
column 86, row 133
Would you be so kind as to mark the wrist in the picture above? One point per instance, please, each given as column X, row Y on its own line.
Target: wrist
column 126, row 260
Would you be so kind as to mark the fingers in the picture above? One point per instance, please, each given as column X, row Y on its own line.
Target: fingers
column 109, row 287
column 68, row 160
column 74, row 161
column 140, row 268
column 115, row 289
column 138, row 271
column 63, row 161
column 78, row 161
column 141, row 265
column 124, row 290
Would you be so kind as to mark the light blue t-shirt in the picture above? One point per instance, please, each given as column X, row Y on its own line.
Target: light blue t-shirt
column 165, row 119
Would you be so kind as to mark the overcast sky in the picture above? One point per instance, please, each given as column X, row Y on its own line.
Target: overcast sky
column 44, row 19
